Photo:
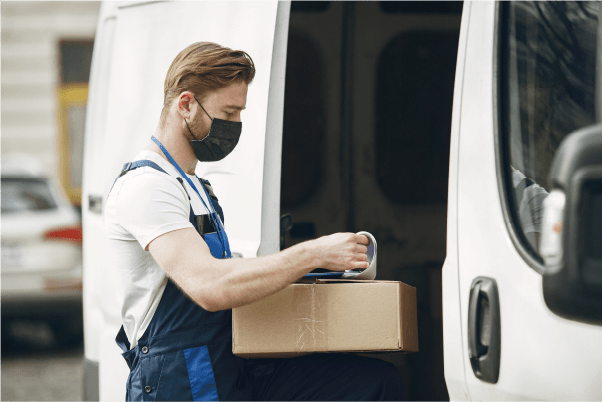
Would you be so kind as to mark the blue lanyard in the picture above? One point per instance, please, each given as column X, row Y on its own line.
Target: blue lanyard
column 213, row 215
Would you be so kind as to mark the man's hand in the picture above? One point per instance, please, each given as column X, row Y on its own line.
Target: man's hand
column 341, row 251
column 224, row 284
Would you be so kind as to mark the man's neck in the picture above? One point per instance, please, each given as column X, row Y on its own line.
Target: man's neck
column 177, row 145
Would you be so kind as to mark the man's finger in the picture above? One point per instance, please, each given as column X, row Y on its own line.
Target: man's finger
column 360, row 265
column 361, row 248
column 362, row 257
column 362, row 239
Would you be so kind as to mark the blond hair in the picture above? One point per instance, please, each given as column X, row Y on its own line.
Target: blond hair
column 204, row 67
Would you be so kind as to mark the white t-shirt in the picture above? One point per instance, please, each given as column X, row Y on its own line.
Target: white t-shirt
column 144, row 204
column 531, row 206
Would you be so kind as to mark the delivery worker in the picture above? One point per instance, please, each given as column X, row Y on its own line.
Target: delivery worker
column 176, row 281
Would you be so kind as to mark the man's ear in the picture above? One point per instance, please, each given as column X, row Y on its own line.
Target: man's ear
column 184, row 104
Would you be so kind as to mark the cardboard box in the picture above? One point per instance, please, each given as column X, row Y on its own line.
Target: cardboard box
column 328, row 316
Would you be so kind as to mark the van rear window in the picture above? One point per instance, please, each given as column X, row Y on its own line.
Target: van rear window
column 26, row 194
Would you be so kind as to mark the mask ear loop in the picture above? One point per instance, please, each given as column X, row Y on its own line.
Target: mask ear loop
column 203, row 108
column 187, row 126
column 189, row 129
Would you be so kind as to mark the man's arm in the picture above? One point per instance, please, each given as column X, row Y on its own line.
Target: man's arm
column 216, row 284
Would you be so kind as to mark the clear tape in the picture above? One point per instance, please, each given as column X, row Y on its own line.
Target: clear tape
column 310, row 315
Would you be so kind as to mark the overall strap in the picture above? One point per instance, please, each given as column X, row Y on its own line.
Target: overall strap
column 135, row 165
column 141, row 163
column 208, row 188
column 206, row 185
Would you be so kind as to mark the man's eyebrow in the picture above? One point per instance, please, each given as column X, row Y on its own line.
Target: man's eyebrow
column 236, row 107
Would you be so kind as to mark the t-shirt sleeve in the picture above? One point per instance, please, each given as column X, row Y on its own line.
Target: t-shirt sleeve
column 149, row 205
column 531, row 208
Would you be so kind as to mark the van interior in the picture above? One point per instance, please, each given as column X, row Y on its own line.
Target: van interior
column 366, row 136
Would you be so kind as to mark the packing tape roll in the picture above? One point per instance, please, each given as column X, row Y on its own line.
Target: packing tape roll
column 370, row 273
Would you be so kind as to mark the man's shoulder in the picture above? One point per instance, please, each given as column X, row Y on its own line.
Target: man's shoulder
column 146, row 195
column 156, row 161
column 148, row 187
column 148, row 166
column 147, row 182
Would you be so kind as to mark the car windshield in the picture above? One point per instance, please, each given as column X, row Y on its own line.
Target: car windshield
column 26, row 194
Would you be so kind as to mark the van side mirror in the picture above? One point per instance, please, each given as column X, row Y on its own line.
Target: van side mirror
column 571, row 238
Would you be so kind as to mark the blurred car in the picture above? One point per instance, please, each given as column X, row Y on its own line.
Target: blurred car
column 41, row 251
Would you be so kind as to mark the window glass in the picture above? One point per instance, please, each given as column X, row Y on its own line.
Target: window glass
column 25, row 194
column 76, row 59
column 303, row 122
column 414, row 88
column 548, row 61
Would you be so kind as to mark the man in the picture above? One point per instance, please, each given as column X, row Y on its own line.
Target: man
column 529, row 197
column 177, row 284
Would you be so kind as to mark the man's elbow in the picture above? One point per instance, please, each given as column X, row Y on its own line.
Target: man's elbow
column 211, row 306
column 211, row 300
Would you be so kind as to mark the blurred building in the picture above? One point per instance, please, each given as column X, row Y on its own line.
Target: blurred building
column 46, row 55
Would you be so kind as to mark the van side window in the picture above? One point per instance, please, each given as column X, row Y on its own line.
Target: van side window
column 548, row 84
column 413, row 108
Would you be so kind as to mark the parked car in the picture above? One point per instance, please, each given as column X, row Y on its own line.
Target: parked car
column 41, row 251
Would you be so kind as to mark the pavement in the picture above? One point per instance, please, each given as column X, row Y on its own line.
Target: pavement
column 35, row 368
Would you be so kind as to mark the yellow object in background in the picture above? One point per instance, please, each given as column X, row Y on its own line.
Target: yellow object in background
column 72, row 121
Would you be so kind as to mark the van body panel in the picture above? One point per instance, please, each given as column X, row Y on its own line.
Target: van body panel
column 92, row 186
column 542, row 356
column 454, row 362
column 270, row 211
column 136, row 43
column 101, row 313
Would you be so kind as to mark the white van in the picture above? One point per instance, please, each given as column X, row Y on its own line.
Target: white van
column 350, row 126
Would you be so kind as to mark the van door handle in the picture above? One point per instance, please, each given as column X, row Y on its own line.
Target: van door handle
column 484, row 329
column 476, row 348
column 95, row 203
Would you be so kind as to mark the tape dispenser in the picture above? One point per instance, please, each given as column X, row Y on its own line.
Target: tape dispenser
column 367, row 274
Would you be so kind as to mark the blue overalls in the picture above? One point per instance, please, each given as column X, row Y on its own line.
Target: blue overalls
column 186, row 351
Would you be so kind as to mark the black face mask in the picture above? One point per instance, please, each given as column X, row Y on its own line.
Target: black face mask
column 223, row 137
